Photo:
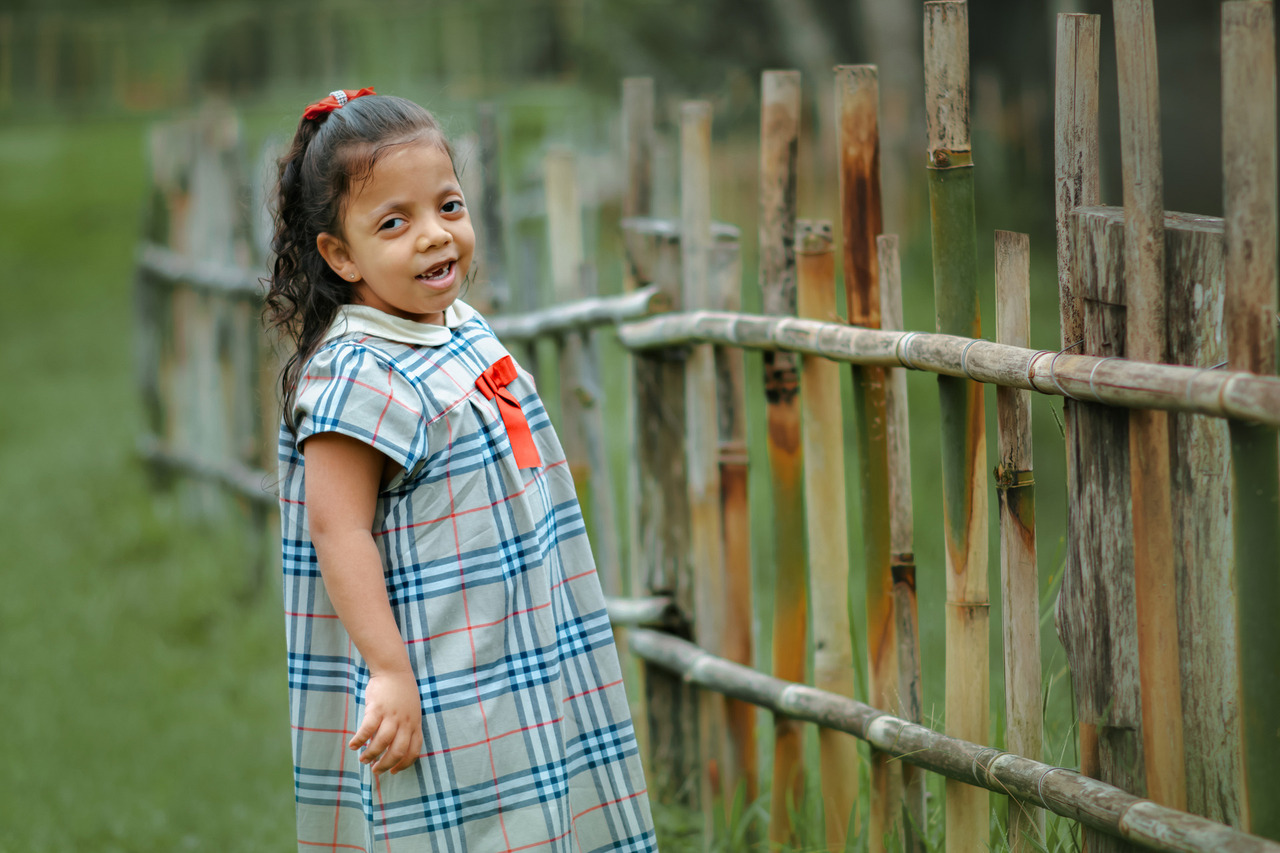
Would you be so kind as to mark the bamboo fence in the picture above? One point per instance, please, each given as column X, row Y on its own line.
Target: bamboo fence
column 1172, row 479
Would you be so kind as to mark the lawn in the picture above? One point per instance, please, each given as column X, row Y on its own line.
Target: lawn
column 144, row 698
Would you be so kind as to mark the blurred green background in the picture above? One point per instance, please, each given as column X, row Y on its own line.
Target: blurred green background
column 142, row 684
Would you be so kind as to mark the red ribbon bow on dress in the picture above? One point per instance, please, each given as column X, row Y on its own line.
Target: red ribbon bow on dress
column 335, row 101
column 493, row 384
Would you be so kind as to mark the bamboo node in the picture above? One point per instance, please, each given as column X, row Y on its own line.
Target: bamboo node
column 950, row 158
column 1040, row 786
column 976, row 763
column 1093, row 390
column 1053, row 377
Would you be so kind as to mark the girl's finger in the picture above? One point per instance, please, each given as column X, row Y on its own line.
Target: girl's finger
column 395, row 755
column 369, row 725
column 379, row 743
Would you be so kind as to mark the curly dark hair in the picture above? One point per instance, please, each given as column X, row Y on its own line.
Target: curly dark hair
column 329, row 157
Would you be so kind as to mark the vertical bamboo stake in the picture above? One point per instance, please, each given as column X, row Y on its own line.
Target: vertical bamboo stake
column 1249, row 189
column 736, row 519
column 703, row 432
column 822, row 434
column 1155, row 581
column 1076, row 183
column 907, row 630
column 1015, row 488
column 857, row 108
column 964, row 443
column 779, row 139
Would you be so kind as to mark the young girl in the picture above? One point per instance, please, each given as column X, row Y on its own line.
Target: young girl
column 453, row 681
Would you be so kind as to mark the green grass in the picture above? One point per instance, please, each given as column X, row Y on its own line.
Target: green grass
column 144, row 701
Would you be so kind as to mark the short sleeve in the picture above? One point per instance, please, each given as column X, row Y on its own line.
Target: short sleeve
column 352, row 390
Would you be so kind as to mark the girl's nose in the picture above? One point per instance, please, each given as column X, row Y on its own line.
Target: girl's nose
column 433, row 234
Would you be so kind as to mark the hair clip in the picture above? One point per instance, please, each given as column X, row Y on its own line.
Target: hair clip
column 336, row 100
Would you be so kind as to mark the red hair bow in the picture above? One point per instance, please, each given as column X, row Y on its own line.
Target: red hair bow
column 334, row 101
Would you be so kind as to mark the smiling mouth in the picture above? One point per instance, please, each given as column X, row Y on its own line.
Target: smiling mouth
column 437, row 272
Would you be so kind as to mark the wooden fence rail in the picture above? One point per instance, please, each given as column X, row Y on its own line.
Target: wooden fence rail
column 1172, row 468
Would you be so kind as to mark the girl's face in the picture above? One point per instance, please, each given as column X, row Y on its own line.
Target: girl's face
column 407, row 238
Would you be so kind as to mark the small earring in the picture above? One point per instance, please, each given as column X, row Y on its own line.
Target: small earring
column 353, row 275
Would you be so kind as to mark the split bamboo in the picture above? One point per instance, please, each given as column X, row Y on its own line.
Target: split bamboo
column 637, row 157
column 857, row 109
column 779, row 140
column 660, row 554
column 1015, row 489
column 703, row 463
column 901, row 521
column 1201, row 501
column 739, row 617
column 822, row 439
column 1110, row 810
column 1249, row 203
column 1155, row 580
column 1076, row 183
column 964, row 443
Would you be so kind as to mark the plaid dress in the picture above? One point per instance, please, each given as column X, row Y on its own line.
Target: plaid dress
column 527, row 739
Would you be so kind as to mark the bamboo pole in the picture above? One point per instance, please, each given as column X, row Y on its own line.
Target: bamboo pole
column 580, row 314
column 779, row 139
column 822, row 439
column 1106, row 380
column 1015, row 488
column 1076, row 183
column 703, row 472
column 964, row 444
column 907, row 630
column 1065, row 792
column 1249, row 202
column 857, row 108
column 1155, row 580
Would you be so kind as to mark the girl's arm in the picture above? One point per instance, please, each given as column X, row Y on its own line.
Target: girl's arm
column 342, row 480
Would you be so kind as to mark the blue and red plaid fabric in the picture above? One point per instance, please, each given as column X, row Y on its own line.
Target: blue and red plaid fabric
column 528, row 741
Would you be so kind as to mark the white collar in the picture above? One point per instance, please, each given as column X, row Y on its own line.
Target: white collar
column 363, row 319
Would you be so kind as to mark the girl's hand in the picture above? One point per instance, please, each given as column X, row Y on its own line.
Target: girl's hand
column 392, row 724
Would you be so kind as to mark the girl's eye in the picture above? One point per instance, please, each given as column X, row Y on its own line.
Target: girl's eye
column 454, row 206
column 393, row 222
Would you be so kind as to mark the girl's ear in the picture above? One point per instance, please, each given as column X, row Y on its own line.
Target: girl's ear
column 335, row 254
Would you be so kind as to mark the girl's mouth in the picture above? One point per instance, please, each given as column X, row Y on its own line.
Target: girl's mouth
column 438, row 274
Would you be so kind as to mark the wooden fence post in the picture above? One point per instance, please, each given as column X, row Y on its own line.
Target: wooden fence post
column 1015, row 488
column 779, row 139
column 1096, row 611
column 497, row 286
column 822, row 437
column 1249, row 203
column 964, row 442
column 857, row 108
column 1203, row 555
column 703, row 440
column 1155, row 581
column 901, row 525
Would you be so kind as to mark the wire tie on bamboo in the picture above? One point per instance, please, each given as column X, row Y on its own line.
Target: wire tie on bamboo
column 904, row 357
column 1096, row 365
column 964, row 359
column 1040, row 786
column 1031, row 364
column 1196, row 376
column 977, row 764
column 1053, row 377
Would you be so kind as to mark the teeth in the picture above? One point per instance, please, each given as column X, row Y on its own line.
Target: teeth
column 438, row 273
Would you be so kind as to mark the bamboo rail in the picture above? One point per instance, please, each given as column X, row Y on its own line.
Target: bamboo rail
column 1237, row 395
column 1057, row 789
column 580, row 314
